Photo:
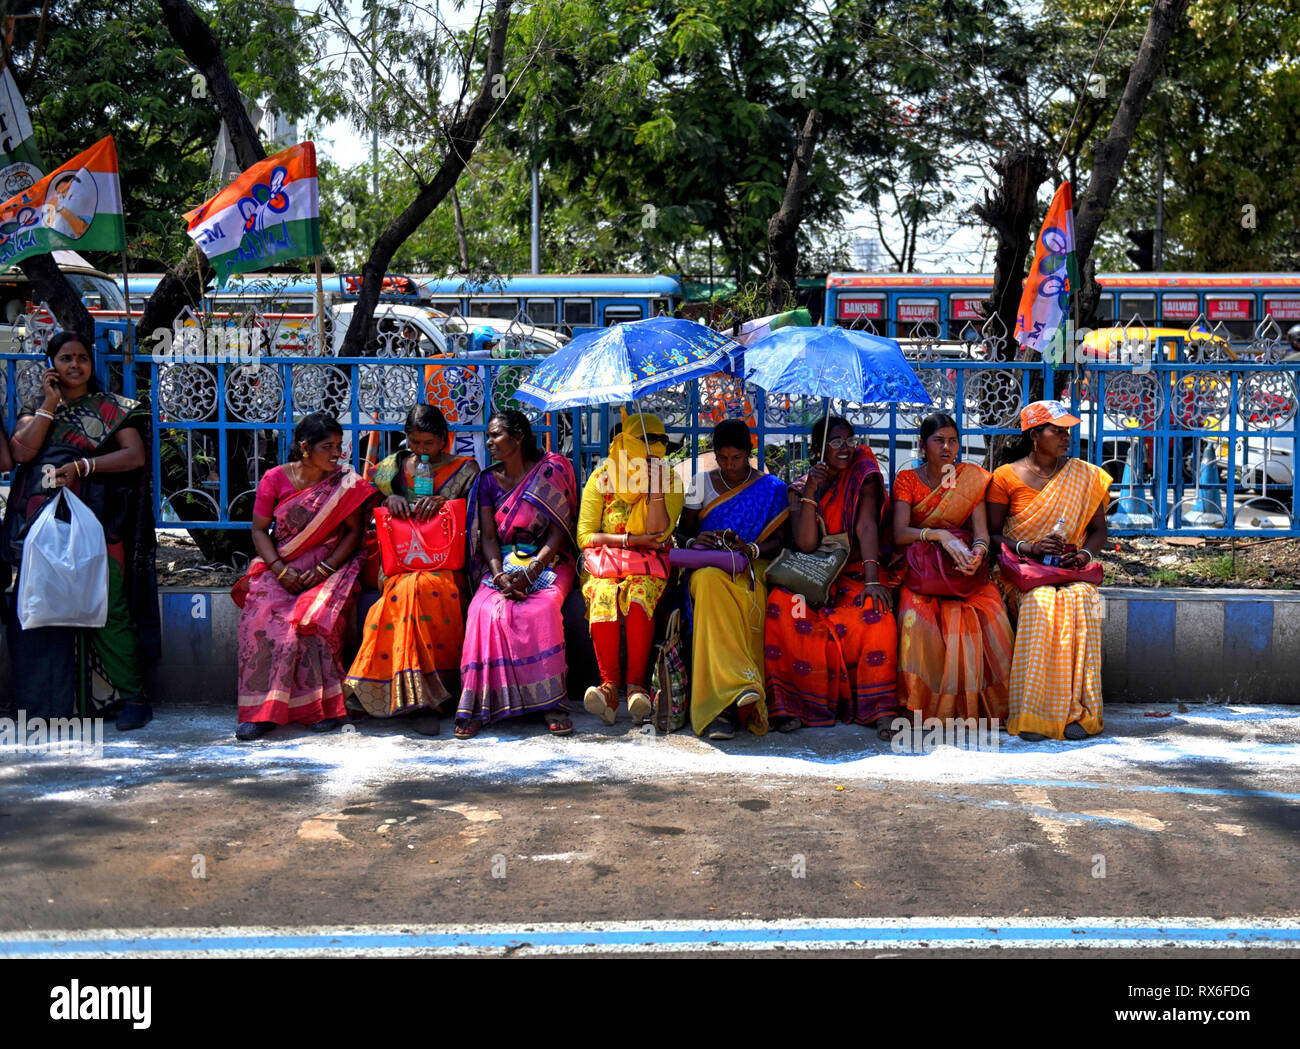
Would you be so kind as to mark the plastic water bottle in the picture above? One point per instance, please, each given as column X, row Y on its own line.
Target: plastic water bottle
column 423, row 478
column 1060, row 531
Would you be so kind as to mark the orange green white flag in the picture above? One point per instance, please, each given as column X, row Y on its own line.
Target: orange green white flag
column 1045, row 303
column 78, row 206
column 269, row 214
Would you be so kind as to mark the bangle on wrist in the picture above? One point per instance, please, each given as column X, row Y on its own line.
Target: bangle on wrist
column 624, row 540
column 1019, row 543
column 45, row 414
column 1089, row 553
column 805, row 499
column 283, row 573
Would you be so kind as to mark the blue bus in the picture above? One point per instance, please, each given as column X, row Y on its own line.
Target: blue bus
column 907, row 305
column 572, row 303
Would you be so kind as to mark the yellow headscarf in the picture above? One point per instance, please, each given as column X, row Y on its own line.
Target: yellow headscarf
column 628, row 471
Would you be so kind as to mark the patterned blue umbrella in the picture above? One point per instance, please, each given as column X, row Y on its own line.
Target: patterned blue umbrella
column 825, row 361
column 626, row 361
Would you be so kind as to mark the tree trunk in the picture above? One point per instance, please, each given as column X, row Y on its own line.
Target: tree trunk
column 462, row 138
column 783, row 227
column 183, row 284
column 1112, row 151
column 462, row 244
column 50, row 287
column 1011, row 212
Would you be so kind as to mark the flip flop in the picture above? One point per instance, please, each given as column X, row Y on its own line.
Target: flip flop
column 467, row 729
column 558, row 723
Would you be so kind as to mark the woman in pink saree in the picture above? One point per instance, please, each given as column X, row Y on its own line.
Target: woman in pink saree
column 521, row 516
column 307, row 524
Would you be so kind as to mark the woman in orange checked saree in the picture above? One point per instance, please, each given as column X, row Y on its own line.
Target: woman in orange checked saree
column 1050, row 509
column 837, row 663
column 954, row 651
column 295, row 596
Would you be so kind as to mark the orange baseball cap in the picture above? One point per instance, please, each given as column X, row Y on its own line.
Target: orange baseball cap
column 1041, row 412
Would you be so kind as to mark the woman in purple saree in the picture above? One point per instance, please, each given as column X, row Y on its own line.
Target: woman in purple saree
column 521, row 516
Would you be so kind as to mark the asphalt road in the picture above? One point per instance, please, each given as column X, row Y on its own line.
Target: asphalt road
column 1178, row 831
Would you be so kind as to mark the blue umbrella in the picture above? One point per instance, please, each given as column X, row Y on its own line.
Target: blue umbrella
column 627, row 361
column 824, row 361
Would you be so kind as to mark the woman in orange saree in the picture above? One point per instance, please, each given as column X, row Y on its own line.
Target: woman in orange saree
column 294, row 598
column 954, row 653
column 409, row 659
column 837, row 663
column 1045, row 504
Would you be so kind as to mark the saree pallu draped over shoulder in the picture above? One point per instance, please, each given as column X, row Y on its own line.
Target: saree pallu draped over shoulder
column 54, row 663
column 839, row 662
column 513, row 661
column 727, row 612
column 409, row 658
column 954, row 654
column 1056, row 670
column 290, row 645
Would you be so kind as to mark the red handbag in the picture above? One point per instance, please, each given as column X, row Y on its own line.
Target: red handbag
column 932, row 571
column 618, row 562
column 408, row 545
column 1025, row 574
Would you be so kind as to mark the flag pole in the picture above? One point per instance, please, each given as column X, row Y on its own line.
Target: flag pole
column 320, row 308
column 128, row 357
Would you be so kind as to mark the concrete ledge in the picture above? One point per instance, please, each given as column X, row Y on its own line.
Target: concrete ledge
column 1166, row 645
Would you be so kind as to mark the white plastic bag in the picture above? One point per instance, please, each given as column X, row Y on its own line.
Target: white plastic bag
column 64, row 576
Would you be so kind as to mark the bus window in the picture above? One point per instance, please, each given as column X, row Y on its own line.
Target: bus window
column 864, row 308
column 578, row 312
column 1180, row 309
column 542, row 312
column 1237, row 312
column 1105, row 311
column 1285, row 309
column 917, row 318
column 1141, row 306
column 965, row 308
column 448, row 306
column 499, row 309
column 662, row 306
column 618, row 314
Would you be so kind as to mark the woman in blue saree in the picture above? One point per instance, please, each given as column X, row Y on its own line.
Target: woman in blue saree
column 737, row 507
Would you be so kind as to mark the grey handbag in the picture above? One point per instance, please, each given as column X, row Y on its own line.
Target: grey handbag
column 811, row 575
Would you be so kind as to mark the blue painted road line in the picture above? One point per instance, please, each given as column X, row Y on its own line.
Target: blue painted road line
column 660, row 937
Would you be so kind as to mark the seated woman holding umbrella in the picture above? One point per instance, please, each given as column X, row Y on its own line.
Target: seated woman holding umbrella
column 838, row 662
column 733, row 507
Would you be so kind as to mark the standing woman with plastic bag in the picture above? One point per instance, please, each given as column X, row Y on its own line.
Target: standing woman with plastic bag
column 95, row 445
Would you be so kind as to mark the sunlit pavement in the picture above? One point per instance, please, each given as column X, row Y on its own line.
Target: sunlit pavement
column 180, row 840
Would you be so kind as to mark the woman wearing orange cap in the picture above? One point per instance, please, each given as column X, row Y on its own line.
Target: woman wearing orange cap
column 1045, row 505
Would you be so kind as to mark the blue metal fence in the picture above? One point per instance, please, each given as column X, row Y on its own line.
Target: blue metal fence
column 1197, row 443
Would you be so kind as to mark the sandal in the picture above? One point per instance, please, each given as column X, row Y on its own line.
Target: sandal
column 558, row 723
column 787, row 724
column 1075, row 732
column 748, row 699
column 883, row 728
column 602, row 701
column 721, row 727
column 467, row 729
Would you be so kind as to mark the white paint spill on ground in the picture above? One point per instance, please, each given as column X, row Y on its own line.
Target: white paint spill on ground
column 1255, row 748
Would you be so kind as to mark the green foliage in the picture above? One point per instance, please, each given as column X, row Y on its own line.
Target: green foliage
column 112, row 69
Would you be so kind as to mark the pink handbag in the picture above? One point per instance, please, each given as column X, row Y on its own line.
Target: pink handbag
column 932, row 571
column 618, row 562
column 1026, row 574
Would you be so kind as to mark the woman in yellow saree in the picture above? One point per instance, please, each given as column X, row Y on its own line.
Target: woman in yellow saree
column 954, row 653
column 728, row 612
column 1045, row 504
column 630, row 505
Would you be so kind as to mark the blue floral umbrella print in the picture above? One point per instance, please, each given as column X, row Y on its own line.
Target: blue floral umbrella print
column 627, row 361
column 824, row 361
